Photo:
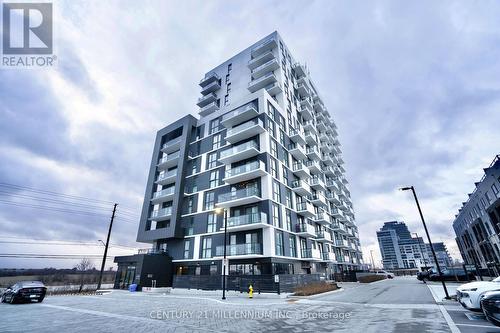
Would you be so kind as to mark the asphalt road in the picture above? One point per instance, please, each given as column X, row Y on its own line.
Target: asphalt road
column 404, row 290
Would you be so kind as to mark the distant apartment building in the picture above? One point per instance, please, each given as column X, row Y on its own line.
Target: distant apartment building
column 477, row 224
column 401, row 250
column 265, row 158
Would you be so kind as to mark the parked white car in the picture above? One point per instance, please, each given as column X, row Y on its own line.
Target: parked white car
column 384, row 273
column 470, row 294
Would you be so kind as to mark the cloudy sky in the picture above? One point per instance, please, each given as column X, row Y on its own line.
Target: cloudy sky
column 413, row 87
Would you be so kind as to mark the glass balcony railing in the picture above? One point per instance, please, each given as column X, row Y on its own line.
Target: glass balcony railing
column 299, row 183
column 239, row 148
column 255, row 165
column 171, row 143
column 164, row 192
column 241, row 110
column 302, row 206
column 302, row 227
column 239, row 249
column 170, row 157
column 244, row 126
column 168, row 174
column 161, row 212
column 239, row 194
column 306, row 253
column 297, row 166
column 235, row 221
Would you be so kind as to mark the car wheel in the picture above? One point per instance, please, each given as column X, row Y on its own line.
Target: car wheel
column 40, row 300
column 3, row 299
column 12, row 299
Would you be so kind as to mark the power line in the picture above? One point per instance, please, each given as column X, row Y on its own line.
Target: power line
column 50, row 256
column 48, row 208
column 31, row 189
column 66, row 243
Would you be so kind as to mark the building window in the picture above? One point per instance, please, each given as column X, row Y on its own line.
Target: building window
column 271, row 127
column 214, row 125
column 212, row 161
column 229, row 68
column 209, row 200
column 495, row 190
column 227, row 78
column 293, row 246
column 487, row 196
column 282, row 137
column 271, row 111
column 284, row 171
column 226, row 100
column 276, row 215
column 187, row 245
column 274, row 148
column 279, row 242
column 228, row 88
column 211, row 223
column 289, row 198
column 276, row 191
column 288, row 220
column 274, row 168
column 194, row 167
column 216, row 141
column 190, row 205
column 206, row 247
column 214, row 179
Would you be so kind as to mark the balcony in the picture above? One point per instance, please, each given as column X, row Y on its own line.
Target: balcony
column 324, row 236
column 211, row 87
column 341, row 243
column 245, row 172
column 296, row 135
column 305, row 229
column 301, row 187
column 327, row 159
column 262, row 82
column 273, row 88
column 306, row 254
column 313, row 166
column 297, row 150
column 305, row 209
column 303, row 89
column 300, row 170
column 161, row 214
column 310, row 137
column 333, row 197
column 318, row 199
column 239, row 152
column 247, row 222
column 317, row 183
column 329, row 171
column 209, row 78
column 338, row 214
column 338, row 227
column 332, row 185
column 305, row 112
column 171, row 145
column 300, row 69
column 313, row 153
column 260, row 60
column 169, row 160
column 322, row 126
column 244, row 131
column 207, row 99
column 327, row 256
column 166, row 177
column 209, row 108
column 239, row 249
column 239, row 115
column 306, row 104
column 239, row 197
column 310, row 125
column 265, row 68
column 322, row 217
column 163, row 195
column 263, row 47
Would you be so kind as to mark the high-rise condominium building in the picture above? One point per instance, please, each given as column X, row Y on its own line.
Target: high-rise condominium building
column 477, row 224
column 265, row 158
column 401, row 250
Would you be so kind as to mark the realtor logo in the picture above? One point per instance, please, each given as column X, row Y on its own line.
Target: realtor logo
column 27, row 28
column 27, row 35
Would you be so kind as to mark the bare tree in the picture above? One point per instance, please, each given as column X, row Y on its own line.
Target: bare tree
column 84, row 265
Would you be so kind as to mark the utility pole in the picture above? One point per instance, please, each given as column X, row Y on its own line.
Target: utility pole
column 107, row 245
column 428, row 238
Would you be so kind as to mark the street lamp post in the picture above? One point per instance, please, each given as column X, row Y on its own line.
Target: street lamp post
column 218, row 211
column 428, row 238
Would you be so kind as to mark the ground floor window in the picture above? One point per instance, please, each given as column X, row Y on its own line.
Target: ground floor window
column 244, row 269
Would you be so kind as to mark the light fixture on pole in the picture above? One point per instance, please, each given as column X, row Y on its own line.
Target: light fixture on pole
column 408, row 188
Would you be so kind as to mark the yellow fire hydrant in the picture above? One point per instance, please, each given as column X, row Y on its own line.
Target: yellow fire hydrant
column 250, row 291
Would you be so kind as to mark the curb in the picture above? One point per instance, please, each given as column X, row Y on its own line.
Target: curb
column 326, row 293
